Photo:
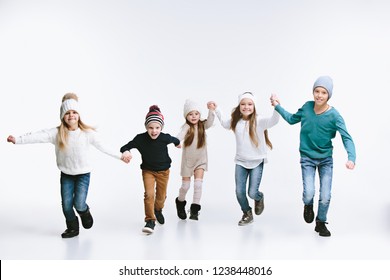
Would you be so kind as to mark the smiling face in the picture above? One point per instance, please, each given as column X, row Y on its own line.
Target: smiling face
column 71, row 118
column 246, row 107
column 321, row 96
column 193, row 117
column 154, row 129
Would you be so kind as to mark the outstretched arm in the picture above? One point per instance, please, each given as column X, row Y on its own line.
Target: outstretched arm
column 211, row 116
column 224, row 123
column 287, row 116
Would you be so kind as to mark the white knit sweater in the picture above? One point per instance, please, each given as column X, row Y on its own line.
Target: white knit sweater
column 247, row 154
column 75, row 158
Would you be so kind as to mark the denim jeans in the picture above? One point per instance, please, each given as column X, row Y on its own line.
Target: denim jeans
column 325, row 172
column 74, row 191
column 241, row 177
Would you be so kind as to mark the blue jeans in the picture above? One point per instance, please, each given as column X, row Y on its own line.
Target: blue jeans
column 241, row 177
column 74, row 191
column 325, row 172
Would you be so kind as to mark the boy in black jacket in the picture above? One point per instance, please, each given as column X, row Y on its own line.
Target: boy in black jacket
column 155, row 165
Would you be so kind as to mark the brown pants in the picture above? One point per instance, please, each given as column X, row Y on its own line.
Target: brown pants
column 154, row 198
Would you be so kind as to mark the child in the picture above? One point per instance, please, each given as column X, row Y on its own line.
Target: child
column 251, row 152
column 72, row 141
column 194, row 157
column 155, row 165
column 319, row 124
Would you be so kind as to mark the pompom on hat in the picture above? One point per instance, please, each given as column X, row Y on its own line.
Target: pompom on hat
column 325, row 82
column 246, row 95
column 154, row 115
column 190, row 106
column 67, row 105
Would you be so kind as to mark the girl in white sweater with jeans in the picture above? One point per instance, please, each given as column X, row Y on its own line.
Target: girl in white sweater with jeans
column 251, row 152
column 72, row 140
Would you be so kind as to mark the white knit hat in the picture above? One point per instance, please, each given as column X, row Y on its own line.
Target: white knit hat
column 246, row 95
column 67, row 105
column 190, row 106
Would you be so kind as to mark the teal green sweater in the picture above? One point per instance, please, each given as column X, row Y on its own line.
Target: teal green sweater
column 317, row 131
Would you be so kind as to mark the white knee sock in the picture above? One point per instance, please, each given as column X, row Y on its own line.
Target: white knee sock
column 197, row 191
column 185, row 186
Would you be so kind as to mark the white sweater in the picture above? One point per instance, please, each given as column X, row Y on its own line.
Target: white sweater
column 75, row 158
column 247, row 154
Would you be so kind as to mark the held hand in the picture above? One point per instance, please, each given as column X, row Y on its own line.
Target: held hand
column 11, row 139
column 350, row 165
column 274, row 100
column 211, row 105
column 126, row 157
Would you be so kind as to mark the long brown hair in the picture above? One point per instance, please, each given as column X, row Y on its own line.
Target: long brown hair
column 189, row 138
column 236, row 116
column 63, row 130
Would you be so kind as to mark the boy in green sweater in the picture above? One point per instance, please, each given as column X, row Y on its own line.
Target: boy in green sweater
column 319, row 124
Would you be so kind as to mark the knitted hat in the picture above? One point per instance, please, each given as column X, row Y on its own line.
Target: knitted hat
column 326, row 82
column 246, row 95
column 190, row 106
column 154, row 115
column 67, row 105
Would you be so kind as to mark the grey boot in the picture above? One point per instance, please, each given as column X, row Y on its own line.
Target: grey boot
column 246, row 219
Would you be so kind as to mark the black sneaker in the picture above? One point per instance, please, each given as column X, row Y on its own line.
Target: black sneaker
column 308, row 213
column 159, row 216
column 321, row 228
column 149, row 227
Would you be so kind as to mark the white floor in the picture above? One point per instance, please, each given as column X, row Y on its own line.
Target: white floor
column 31, row 230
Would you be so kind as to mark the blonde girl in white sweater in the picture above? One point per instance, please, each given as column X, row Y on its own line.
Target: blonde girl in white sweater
column 194, row 156
column 251, row 152
column 72, row 140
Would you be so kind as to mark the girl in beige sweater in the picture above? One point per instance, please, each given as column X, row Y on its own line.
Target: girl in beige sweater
column 194, row 156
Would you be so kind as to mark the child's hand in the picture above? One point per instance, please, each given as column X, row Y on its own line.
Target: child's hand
column 274, row 100
column 350, row 165
column 126, row 156
column 11, row 139
column 211, row 105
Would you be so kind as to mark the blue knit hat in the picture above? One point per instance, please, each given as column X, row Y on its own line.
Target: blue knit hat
column 326, row 82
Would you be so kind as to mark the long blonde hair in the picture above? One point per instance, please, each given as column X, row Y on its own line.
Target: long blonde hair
column 236, row 116
column 63, row 130
column 189, row 138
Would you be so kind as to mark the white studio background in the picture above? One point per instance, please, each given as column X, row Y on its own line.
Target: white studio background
column 122, row 56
